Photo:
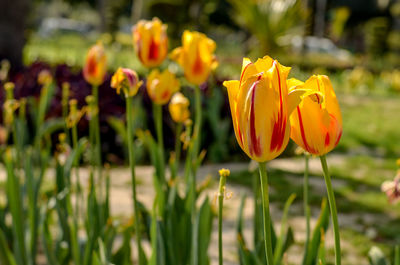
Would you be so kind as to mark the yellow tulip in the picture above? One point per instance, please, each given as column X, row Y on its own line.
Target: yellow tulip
column 95, row 65
column 161, row 86
column 179, row 108
column 196, row 56
column 260, row 106
column 316, row 124
column 127, row 80
column 151, row 41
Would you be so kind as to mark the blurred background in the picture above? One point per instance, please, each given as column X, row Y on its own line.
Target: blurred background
column 355, row 42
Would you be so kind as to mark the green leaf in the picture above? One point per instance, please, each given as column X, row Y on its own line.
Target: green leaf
column 246, row 257
column 47, row 239
column 48, row 128
column 6, row 257
column 204, row 228
column 14, row 197
column 376, row 257
column 319, row 231
column 123, row 254
column 279, row 249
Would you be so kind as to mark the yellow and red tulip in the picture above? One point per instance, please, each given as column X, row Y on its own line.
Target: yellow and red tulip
column 161, row 86
column 151, row 41
column 95, row 65
column 316, row 124
column 196, row 56
column 179, row 108
column 127, row 80
column 260, row 105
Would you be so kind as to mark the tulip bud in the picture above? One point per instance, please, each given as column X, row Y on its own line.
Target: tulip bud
column 94, row 70
column 196, row 56
column 127, row 80
column 150, row 41
column 179, row 108
column 161, row 86
column 44, row 77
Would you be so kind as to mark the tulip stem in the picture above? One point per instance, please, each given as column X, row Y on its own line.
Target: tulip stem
column 197, row 127
column 157, row 112
column 306, row 206
column 266, row 213
column 221, row 195
column 79, row 196
column 97, row 141
column 177, row 150
column 133, row 177
column 332, row 204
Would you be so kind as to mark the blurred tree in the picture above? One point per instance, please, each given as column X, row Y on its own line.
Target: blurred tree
column 13, row 16
column 376, row 36
column 269, row 20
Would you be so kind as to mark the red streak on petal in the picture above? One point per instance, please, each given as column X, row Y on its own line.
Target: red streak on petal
column 238, row 130
column 198, row 65
column 165, row 95
column 244, row 70
column 318, row 99
column 255, row 146
column 153, row 51
column 91, row 66
column 338, row 137
column 279, row 128
column 327, row 139
column 303, row 135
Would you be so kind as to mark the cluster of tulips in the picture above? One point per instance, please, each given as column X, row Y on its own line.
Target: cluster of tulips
column 197, row 60
column 267, row 109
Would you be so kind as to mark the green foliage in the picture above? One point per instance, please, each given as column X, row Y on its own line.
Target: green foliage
column 220, row 127
column 279, row 244
column 269, row 20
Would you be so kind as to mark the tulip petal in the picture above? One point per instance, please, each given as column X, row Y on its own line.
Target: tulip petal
column 297, row 95
column 233, row 89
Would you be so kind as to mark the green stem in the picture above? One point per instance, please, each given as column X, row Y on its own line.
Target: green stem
column 221, row 193
column 332, row 204
column 266, row 213
column 157, row 110
column 306, row 206
column 79, row 196
column 175, row 166
column 197, row 128
column 397, row 255
column 133, row 177
column 97, row 139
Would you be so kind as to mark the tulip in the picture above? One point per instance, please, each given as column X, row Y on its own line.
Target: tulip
column 95, row 65
column 127, row 80
column 260, row 106
column 161, row 86
column 316, row 124
column 179, row 108
column 150, row 41
column 196, row 56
